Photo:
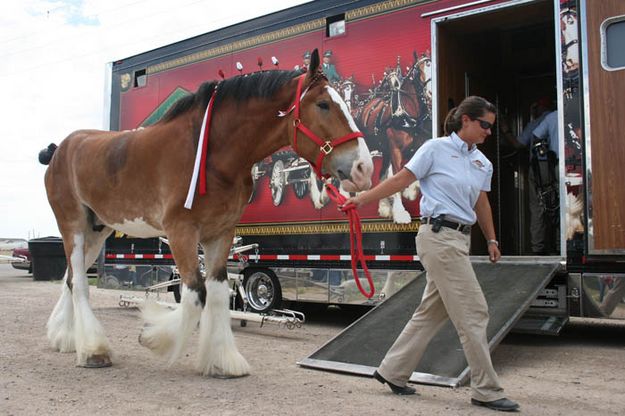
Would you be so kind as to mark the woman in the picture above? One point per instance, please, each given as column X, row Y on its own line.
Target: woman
column 454, row 179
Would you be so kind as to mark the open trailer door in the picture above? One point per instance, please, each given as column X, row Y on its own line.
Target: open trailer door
column 603, row 66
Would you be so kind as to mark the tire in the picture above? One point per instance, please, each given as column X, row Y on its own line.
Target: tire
column 262, row 289
column 175, row 289
column 276, row 182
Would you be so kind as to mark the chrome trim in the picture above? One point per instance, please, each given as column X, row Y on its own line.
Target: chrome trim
column 603, row 293
column 602, row 30
column 587, row 121
column 460, row 6
column 108, row 90
column 561, row 141
column 434, row 78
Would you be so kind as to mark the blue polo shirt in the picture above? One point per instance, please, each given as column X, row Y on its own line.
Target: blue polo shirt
column 548, row 129
column 451, row 177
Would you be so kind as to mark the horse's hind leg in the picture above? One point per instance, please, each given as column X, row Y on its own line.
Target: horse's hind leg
column 218, row 354
column 72, row 325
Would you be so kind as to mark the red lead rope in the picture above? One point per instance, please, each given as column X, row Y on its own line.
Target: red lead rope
column 355, row 239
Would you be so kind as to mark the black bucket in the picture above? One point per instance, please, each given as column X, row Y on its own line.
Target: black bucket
column 48, row 258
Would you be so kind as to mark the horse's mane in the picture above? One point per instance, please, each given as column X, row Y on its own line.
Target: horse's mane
column 262, row 84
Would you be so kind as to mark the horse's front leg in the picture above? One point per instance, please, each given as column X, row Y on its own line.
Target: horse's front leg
column 166, row 331
column 218, row 354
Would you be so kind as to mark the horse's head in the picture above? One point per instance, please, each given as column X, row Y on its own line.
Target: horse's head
column 325, row 133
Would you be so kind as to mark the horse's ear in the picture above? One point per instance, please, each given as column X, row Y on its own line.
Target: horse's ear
column 314, row 63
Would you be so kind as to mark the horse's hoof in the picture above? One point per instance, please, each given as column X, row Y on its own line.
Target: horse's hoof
column 98, row 361
column 226, row 377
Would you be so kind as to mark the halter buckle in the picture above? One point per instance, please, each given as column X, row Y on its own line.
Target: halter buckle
column 326, row 148
column 296, row 122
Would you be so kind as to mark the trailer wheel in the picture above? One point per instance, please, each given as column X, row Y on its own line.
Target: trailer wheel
column 277, row 182
column 263, row 290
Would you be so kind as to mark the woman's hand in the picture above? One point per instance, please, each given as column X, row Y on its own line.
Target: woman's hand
column 353, row 201
column 493, row 253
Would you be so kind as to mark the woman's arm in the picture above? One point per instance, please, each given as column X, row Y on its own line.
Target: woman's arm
column 485, row 220
column 385, row 188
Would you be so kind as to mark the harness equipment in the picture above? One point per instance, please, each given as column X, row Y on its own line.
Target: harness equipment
column 325, row 146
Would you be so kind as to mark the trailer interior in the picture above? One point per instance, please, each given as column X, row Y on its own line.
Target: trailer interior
column 507, row 56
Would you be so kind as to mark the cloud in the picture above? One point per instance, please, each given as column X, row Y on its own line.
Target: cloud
column 53, row 57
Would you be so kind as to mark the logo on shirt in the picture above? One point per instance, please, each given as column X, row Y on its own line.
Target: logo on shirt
column 478, row 163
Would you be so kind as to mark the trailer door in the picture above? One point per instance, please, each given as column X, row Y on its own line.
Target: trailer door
column 603, row 62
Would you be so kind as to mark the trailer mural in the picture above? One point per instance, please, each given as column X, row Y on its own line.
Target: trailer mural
column 389, row 97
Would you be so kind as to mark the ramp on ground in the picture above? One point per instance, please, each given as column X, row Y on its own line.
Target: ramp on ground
column 509, row 288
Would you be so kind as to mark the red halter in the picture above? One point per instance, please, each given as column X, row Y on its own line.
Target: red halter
column 325, row 146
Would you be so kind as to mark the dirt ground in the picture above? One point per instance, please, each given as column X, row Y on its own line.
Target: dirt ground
column 580, row 372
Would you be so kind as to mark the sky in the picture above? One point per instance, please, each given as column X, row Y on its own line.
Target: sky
column 53, row 57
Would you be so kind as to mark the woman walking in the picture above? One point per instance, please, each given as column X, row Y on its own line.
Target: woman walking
column 454, row 177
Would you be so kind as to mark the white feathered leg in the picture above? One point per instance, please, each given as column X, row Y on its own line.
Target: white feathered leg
column 92, row 346
column 60, row 326
column 166, row 330
column 218, row 354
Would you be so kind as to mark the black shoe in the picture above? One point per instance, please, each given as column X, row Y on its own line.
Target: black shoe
column 503, row 405
column 401, row 391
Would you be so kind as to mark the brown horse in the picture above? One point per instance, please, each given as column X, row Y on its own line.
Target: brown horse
column 395, row 121
column 136, row 182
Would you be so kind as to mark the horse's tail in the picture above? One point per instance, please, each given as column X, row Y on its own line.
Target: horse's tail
column 45, row 155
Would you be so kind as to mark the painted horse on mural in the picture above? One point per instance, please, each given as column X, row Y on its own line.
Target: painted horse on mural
column 137, row 182
column 396, row 122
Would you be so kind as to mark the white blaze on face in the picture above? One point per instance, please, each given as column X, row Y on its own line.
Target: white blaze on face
column 362, row 167
column 336, row 97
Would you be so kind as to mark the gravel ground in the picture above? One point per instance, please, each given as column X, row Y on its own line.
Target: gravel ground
column 578, row 373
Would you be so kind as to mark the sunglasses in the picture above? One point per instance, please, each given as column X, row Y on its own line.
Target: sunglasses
column 484, row 124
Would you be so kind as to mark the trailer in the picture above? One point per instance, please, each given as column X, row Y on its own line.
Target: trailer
column 400, row 66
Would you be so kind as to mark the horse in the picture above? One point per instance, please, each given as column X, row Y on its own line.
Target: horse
column 136, row 182
column 395, row 123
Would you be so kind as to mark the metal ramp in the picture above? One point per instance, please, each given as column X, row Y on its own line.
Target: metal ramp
column 509, row 288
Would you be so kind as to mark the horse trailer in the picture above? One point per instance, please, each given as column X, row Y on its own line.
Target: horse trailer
column 400, row 66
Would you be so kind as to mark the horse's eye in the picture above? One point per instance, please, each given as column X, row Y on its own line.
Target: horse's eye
column 323, row 105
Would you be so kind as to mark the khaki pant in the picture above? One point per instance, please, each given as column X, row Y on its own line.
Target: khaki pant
column 452, row 291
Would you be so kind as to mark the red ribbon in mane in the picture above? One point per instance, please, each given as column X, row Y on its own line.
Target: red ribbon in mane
column 355, row 239
column 205, row 144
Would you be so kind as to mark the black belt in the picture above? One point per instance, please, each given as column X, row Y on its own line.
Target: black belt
column 463, row 228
